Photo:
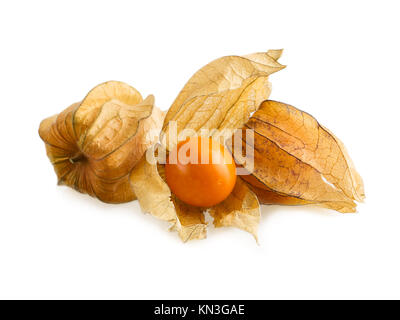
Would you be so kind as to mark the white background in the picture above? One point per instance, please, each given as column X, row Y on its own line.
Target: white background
column 343, row 67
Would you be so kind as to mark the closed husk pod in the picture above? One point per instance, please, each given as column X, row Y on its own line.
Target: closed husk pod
column 94, row 144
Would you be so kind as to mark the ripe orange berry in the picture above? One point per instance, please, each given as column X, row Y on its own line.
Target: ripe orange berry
column 200, row 172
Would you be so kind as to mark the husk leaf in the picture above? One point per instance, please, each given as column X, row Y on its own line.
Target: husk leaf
column 222, row 95
column 155, row 197
column 93, row 145
column 297, row 161
column 241, row 210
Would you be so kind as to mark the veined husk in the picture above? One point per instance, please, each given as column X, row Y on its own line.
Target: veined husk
column 98, row 147
column 241, row 209
column 297, row 161
column 94, row 144
column 221, row 95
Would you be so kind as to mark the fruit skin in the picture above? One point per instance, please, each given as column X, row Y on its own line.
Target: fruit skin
column 200, row 184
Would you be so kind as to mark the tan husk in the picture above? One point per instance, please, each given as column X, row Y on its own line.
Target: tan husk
column 241, row 209
column 98, row 147
column 222, row 94
column 297, row 161
column 93, row 145
column 190, row 222
column 155, row 197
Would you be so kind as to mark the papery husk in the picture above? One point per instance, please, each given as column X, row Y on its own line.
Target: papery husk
column 297, row 161
column 221, row 95
column 97, row 146
column 190, row 221
column 94, row 144
column 155, row 197
column 241, row 210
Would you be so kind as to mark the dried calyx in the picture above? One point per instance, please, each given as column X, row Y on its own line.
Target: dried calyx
column 97, row 146
column 297, row 161
column 93, row 145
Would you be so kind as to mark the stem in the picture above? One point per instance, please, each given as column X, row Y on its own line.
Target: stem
column 76, row 158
